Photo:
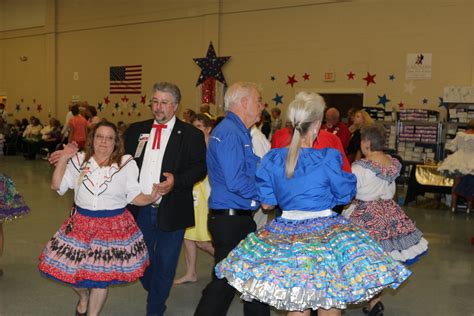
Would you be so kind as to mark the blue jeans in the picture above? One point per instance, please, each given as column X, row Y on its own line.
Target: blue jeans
column 164, row 248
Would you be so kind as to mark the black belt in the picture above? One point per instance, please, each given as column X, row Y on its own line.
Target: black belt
column 230, row 212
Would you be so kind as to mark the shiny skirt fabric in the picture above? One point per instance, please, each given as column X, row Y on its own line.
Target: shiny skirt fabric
column 12, row 205
column 94, row 252
column 387, row 223
column 324, row 262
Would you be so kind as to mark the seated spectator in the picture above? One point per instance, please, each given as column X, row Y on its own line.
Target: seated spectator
column 276, row 121
column 51, row 136
column 334, row 125
column 4, row 134
column 32, row 138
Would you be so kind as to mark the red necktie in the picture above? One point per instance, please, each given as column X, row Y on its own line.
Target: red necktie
column 156, row 140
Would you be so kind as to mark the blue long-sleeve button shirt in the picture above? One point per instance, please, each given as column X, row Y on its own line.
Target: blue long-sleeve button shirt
column 231, row 166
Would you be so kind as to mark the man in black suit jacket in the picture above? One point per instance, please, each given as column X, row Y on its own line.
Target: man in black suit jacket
column 173, row 154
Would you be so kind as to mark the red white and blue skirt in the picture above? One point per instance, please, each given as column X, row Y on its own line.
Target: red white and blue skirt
column 387, row 223
column 96, row 249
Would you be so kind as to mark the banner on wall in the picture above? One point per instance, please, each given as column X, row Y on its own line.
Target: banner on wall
column 418, row 66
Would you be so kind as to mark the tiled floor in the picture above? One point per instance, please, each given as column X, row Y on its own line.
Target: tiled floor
column 442, row 283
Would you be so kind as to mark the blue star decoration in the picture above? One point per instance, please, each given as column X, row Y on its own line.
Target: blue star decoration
column 441, row 103
column 383, row 100
column 425, row 101
column 100, row 106
column 391, row 77
column 272, row 78
column 117, row 105
column 278, row 99
column 134, row 106
column 211, row 66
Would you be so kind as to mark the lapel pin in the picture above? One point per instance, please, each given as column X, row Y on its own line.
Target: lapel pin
column 179, row 131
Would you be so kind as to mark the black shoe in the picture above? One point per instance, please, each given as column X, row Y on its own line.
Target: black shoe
column 377, row 310
column 80, row 314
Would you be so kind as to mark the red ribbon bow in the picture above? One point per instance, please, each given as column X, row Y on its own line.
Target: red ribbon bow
column 156, row 140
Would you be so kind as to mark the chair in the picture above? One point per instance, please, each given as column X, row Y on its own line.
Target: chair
column 10, row 145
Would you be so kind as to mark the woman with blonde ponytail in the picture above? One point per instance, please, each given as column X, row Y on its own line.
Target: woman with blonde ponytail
column 309, row 258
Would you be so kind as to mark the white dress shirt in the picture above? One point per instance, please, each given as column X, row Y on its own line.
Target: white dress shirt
column 101, row 188
column 151, row 167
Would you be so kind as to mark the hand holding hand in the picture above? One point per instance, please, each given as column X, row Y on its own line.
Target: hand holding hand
column 166, row 186
column 155, row 195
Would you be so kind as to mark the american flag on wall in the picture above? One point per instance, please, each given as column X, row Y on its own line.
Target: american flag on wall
column 126, row 79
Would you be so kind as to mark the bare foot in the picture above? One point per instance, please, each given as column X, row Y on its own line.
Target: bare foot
column 185, row 279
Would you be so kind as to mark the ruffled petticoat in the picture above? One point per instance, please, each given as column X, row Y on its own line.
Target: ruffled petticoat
column 387, row 223
column 12, row 205
column 95, row 249
column 458, row 163
column 324, row 262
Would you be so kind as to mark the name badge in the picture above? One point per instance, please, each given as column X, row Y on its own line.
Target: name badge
column 141, row 144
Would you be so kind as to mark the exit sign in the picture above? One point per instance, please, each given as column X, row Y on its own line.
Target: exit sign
column 329, row 76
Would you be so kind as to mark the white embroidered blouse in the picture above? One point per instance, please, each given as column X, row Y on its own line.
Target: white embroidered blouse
column 101, row 188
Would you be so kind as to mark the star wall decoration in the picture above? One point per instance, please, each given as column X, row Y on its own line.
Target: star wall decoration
column 391, row 77
column 350, row 75
column 18, row 107
column 143, row 99
column 369, row 78
column 117, row 106
column 107, row 100
column 39, row 108
column 134, row 106
column 401, row 104
column 272, row 78
column 409, row 87
column 278, row 99
column 291, row 80
column 27, row 108
column 425, row 101
column 441, row 103
column 124, row 99
column 211, row 66
column 100, row 106
column 383, row 100
column 306, row 76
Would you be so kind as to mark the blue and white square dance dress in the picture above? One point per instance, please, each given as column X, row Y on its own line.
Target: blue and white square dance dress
column 311, row 257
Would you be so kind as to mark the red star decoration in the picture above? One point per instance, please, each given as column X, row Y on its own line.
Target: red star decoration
column 306, row 76
column 39, row 107
column 129, row 114
column 291, row 80
column 350, row 75
column 139, row 114
column 121, row 113
column 107, row 100
column 266, row 104
column 27, row 108
column 401, row 104
column 124, row 99
column 370, row 78
column 143, row 99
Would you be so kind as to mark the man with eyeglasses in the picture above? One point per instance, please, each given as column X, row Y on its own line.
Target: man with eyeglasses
column 232, row 166
column 173, row 154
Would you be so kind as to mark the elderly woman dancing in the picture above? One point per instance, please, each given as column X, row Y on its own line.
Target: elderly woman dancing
column 99, row 244
column 310, row 257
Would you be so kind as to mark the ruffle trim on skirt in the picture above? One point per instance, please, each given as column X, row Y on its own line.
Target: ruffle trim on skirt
column 412, row 254
column 13, row 213
column 294, row 299
column 402, row 243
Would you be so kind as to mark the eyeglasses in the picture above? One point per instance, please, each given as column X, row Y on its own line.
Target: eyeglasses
column 104, row 138
column 161, row 102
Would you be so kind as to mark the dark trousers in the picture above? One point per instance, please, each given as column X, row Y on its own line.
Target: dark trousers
column 163, row 248
column 227, row 232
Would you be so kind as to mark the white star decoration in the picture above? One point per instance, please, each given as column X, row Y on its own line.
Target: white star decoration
column 409, row 87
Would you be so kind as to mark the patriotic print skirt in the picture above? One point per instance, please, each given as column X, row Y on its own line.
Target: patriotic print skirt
column 95, row 249
column 323, row 262
column 388, row 224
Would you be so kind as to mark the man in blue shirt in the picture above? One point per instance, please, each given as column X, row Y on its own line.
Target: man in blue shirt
column 231, row 167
